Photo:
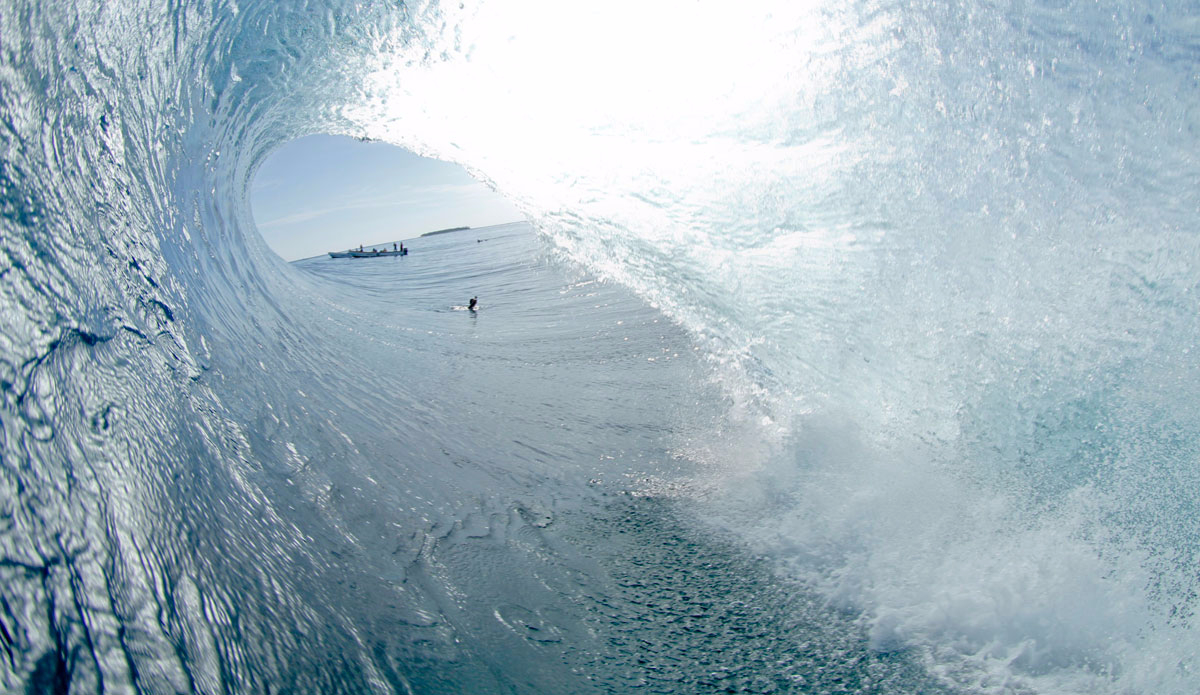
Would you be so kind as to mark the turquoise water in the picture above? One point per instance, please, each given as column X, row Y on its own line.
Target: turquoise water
column 847, row 348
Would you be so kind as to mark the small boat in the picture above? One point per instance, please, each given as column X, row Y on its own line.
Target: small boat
column 366, row 254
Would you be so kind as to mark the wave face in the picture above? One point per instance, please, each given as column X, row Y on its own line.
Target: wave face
column 887, row 384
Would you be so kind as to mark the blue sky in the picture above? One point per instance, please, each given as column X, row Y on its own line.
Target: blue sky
column 328, row 193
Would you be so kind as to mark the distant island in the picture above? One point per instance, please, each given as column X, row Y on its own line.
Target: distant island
column 445, row 231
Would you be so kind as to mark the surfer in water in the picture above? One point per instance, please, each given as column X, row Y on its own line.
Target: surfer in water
column 473, row 303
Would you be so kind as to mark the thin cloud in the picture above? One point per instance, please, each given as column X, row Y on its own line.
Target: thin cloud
column 324, row 190
column 411, row 196
column 296, row 218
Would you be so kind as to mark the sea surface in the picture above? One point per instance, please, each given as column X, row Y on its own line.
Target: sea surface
column 846, row 347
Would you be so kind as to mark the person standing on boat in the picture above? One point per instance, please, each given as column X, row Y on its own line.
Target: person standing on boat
column 474, row 302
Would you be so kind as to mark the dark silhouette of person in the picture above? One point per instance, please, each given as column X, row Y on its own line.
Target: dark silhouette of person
column 474, row 302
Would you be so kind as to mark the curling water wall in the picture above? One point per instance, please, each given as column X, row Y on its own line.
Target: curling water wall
column 938, row 265
column 141, row 316
column 944, row 256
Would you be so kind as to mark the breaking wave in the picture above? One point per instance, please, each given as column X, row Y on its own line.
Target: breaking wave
column 926, row 276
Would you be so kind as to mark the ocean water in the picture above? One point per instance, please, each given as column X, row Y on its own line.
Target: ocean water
column 847, row 348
